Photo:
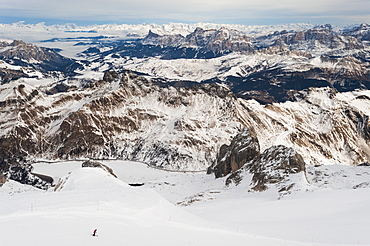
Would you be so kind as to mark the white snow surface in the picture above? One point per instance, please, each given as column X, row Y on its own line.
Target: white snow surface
column 93, row 199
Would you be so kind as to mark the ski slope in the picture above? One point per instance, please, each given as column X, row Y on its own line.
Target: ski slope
column 89, row 198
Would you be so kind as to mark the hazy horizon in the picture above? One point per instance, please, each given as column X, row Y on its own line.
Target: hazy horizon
column 264, row 12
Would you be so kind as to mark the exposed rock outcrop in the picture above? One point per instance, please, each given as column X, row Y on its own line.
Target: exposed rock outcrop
column 314, row 39
column 2, row 179
column 275, row 165
column 242, row 157
column 23, row 175
column 91, row 163
column 243, row 148
column 7, row 75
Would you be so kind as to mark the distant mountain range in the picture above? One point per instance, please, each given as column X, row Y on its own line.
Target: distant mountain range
column 268, row 68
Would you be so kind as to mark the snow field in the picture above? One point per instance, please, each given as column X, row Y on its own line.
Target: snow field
column 90, row 198
column 331, row 217
column 323, row 215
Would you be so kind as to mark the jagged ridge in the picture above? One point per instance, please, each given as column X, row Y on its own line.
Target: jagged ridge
column 123, row 116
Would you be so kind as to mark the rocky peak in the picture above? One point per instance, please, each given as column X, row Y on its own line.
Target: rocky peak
column 165, row 40
column 18, row 42
column 5, row 42
column 364, row 26
column 152, row 35
column 273, row 167
column 324, row 26
column 361, row 32
column 24, row 51
column 278, row 167
column 110, row 76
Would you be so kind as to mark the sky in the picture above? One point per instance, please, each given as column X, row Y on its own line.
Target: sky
column 246, row 12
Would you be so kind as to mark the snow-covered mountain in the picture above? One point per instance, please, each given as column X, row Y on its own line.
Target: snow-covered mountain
column 361, row 32
column 177, row 113
column 121, row 116
column 19, row 53
column 173, row 126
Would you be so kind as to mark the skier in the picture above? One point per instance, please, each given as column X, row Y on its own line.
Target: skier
column 95, row 233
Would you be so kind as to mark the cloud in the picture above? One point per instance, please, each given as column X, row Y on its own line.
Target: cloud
column 190, row 10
